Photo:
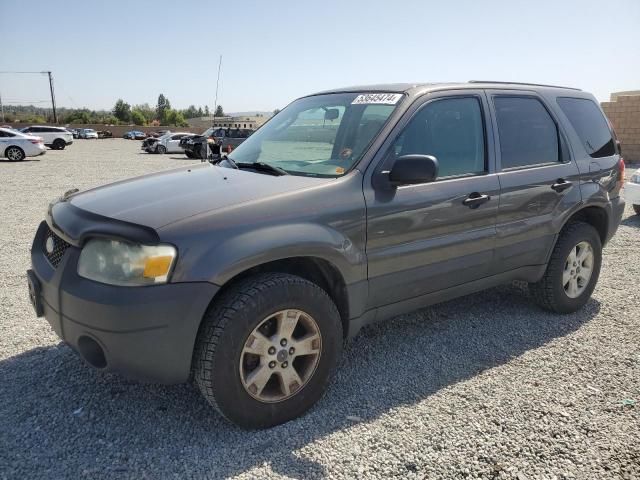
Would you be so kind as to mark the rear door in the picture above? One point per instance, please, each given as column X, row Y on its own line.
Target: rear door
column 428, row 237
column 173, row 144
column 539, row 179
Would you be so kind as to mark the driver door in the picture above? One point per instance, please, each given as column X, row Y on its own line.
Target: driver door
column 428, row 237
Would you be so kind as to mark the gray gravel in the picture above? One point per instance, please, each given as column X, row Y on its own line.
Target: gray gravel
column 486, row 386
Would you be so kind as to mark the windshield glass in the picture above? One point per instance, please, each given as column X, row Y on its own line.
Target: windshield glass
column 321, row 136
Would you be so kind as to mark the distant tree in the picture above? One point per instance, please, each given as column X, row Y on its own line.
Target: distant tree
column 207, row 113
column 137, row 117
column 162, row 107
column 148, row 112
column 122, row 111
column 191, row 112
column 174, row 117
column 200, row 112
column 276, row 111
column 219, row 111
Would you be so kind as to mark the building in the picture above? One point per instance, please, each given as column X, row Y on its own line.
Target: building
column 250, row 122
column 623, row 110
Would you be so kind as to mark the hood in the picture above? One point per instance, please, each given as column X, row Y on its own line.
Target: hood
column 162, row 198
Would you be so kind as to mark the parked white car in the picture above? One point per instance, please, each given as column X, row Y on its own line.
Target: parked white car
column 54, row 137
column 87, row 133
column 170, row 142
column 632, row 191
column 15, row 145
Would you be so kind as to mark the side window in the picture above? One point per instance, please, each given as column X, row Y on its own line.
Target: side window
column 590, row 125
column 528, row 134
column 452, row 130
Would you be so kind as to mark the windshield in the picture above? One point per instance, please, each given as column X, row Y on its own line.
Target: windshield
column 322, row 135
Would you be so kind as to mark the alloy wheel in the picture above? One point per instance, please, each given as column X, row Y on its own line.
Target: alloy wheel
column 578, row 269
column 280, row 355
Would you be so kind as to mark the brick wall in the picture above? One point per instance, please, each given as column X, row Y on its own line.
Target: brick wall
column 624, row 113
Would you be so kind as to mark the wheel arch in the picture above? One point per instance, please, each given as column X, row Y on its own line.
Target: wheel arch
column 4, row 154
column 317, row 270
column 595, row 215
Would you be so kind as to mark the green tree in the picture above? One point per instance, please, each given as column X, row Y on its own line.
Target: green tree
column 137, row 117
column 174, row 117
column 276, row 111
column 200, row 112
column 122, row 111
column 206, row 111
column 190, row 112
column 148, row 112
column 162, row 107
column 219, row 111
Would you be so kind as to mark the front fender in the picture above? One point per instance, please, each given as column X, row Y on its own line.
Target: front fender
column 219, row 262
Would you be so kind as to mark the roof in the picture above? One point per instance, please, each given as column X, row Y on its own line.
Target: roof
column 421, row 87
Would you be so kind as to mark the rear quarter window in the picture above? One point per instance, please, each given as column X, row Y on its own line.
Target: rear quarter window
column 590, row 125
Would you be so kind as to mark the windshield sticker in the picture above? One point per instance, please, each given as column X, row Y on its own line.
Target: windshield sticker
column 380, row 98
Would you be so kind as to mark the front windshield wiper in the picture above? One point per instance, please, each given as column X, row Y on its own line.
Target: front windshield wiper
column 261, row 166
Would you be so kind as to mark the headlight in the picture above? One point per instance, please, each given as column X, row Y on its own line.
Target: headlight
column 122, row 263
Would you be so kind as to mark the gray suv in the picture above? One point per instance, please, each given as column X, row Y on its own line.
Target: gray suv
column 348, row 207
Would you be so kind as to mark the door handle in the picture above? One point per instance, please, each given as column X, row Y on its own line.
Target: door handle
column 561, row 185
column 475, row 199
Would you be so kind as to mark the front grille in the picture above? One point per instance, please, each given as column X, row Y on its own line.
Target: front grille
column 55, row 254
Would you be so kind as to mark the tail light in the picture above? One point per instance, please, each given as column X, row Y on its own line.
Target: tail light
column 36, row 141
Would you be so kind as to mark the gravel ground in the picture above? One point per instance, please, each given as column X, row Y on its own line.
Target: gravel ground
column 485, row 386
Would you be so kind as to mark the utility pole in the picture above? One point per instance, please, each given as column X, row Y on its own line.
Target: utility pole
column 215, row 104
column 53, row 97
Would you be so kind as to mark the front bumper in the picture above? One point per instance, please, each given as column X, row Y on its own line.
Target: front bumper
column 147, row 333
column 631, row 193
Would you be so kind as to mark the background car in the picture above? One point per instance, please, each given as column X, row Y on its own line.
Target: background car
column 88, row 133
column 219, row 140
column 170, row 143
column 135, row 135
column 149, row 144
column 632, row 191
column 15, row 145
column 56, row 138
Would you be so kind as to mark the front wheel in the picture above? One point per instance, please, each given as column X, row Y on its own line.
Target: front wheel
column 636, row 208
column 267, row 349
column 572, row 271
column 161, row 149
column 189, row 154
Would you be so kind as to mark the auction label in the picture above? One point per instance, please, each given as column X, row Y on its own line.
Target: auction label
column 380, row 98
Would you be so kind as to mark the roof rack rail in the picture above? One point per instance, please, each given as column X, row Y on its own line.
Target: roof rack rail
column 523, row 83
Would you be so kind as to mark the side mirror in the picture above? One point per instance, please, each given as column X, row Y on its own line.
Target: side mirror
column 331, row 114
column 413, row 169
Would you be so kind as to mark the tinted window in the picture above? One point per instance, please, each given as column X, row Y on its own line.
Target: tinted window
column 451, row 130
column 6, row 134
column 528, row 134
column 590, row 125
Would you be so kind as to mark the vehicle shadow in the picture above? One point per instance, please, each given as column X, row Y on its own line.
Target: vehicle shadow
column 64, row 419
column 631, row 221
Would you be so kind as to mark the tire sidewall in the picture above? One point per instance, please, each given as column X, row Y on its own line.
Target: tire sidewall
column 233, row 400
column 161, row 149
column 583, row 233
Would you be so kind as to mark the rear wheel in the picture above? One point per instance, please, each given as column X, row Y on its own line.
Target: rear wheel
column 189, row 154
column 636, row 208
column 572, row 271
column 267, row 349
column 161, row 149
column 15, row 154
column 59, row 144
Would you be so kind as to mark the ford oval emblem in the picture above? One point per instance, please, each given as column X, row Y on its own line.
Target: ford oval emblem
column 49, row 245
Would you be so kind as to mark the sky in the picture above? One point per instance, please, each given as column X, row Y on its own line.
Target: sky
column 275, row 51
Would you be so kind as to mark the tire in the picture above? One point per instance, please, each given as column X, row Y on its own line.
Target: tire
column 223, row 339
column 189, row 154
column 636, row 208
column 14, row 154
column 59, row 144
column 161, row 149
column 550, row 292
